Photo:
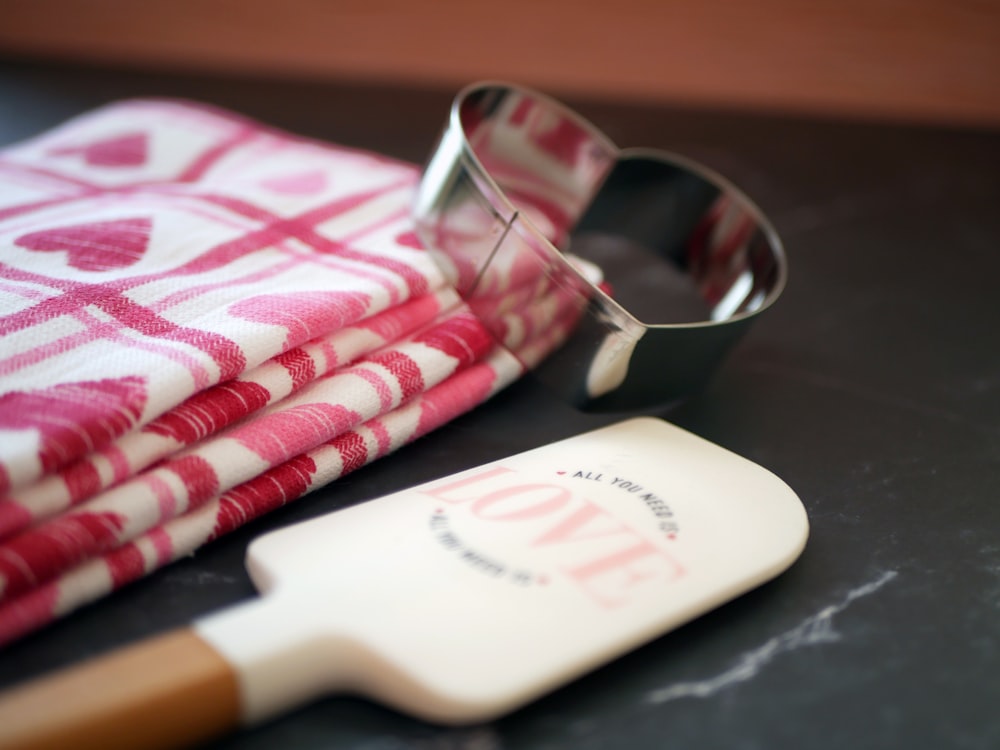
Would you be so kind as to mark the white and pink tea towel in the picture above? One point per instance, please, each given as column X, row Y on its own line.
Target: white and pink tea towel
column 202, row 319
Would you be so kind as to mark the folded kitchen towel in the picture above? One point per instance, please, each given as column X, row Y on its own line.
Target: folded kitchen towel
column 200, row 319
column 154, row 249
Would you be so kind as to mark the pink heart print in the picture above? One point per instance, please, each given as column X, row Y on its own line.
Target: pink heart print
column 302, row 183
column 98, row 246
column 129, row 150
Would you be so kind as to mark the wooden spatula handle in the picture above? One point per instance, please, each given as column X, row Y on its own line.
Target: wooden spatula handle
column 166, row 692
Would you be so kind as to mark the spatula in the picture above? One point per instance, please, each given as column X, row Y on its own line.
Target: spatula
column 456, row 601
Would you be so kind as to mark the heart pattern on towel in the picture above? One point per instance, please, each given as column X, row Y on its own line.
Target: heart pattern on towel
column 97, row 246
column 301, row 183
column 128, row 150
column 203, row 319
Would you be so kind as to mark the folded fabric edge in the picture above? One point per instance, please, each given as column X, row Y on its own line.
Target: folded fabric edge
column 274, row 488
column 536, row 336
column 208, row 412
column 333, row 404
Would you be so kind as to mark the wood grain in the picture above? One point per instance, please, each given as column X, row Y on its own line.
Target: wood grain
column 918, row 60
column 165, row 692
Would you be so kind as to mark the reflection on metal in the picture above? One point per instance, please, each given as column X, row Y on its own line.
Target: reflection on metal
column 522, row 198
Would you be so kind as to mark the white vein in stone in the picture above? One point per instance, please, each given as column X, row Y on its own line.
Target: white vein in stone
column 813, row 631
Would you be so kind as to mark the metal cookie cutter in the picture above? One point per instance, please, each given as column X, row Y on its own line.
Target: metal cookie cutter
column 523, row 194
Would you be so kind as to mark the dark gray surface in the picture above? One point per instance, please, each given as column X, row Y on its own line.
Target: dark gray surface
column 872, row 388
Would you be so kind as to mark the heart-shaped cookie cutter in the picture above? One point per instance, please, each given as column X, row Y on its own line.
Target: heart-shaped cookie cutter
column 523, row 192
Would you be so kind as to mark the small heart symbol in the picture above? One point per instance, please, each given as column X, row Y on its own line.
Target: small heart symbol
column 560, row 473
column 127, row 150
column 303, row 183
column 100, row 246
column 409, row 239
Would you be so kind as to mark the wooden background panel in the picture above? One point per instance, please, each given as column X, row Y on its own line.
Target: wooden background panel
column 918, row 60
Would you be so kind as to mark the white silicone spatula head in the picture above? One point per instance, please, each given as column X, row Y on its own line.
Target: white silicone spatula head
column 464, row 598
column 455, row 601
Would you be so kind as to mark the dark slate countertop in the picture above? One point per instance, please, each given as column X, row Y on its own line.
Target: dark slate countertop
column 872, row 388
